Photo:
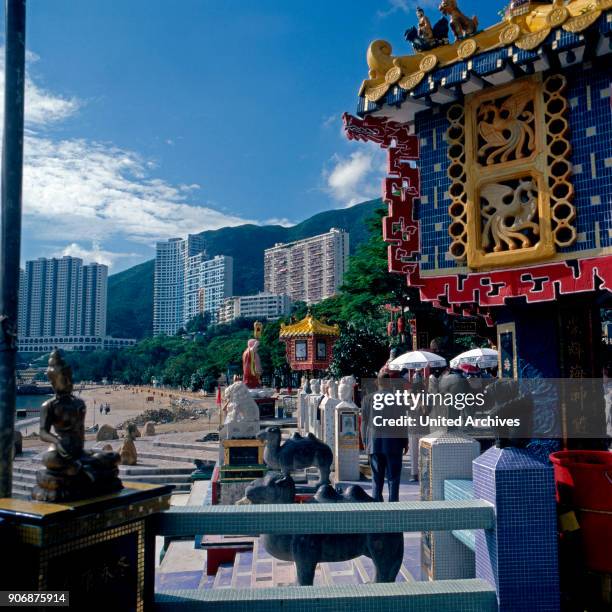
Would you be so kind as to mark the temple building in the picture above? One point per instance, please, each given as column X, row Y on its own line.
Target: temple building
column 309, row 344
column 500, row 179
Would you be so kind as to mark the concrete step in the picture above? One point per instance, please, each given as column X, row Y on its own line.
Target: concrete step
column 223, row 577
column 20, row 492
column 27, row 477
column 180, row 487
column 157, row 478
column 137, row 470
column 185, row 456
column 180, row 482
column 25, row 470
column 207, row 448
column 242, row 570
column 169, row 468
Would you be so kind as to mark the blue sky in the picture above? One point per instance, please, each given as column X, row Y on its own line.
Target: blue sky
column 148, row 119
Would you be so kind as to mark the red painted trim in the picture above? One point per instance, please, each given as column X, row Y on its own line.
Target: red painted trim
column 474, row 293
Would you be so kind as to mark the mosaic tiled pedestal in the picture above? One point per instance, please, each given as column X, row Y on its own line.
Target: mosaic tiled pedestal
column 518, row 556
column 444, row 456
column 101, row 550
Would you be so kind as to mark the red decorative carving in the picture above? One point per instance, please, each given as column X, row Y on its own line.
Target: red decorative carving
column 469, row 294
column 400, row 188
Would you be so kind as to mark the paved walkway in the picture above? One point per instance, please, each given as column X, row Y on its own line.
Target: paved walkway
column 185, row 567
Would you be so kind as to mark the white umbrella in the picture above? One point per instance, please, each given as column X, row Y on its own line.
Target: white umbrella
column 417, row 360
column 481, row 357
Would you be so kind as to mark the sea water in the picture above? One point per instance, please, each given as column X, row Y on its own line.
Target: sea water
column 31, row 403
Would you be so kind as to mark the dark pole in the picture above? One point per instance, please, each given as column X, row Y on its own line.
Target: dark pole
column 10, row 237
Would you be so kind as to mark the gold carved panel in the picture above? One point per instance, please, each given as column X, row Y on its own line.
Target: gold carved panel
column 510, row 174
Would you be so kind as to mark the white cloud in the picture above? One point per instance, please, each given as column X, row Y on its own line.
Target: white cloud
column 406, row 6
column 358, row 177
column 41, row 106
column 279, row 221
column 78, row 190
column 331, row 120
column 95, row 254
column 394, row 6
column 96, row 191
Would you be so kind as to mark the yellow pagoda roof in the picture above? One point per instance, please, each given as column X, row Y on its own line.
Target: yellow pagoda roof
column 309, row 326
column 526, row 31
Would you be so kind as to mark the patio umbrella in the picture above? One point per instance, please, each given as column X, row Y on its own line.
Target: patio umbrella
column 417, row 360
column 481, row 357
column 469, row 369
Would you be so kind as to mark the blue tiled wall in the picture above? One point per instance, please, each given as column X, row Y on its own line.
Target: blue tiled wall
column 591, row 136
column 590, row 120
column 431, row 128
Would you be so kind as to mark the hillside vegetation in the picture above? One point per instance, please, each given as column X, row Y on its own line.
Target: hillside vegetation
column 130, row 293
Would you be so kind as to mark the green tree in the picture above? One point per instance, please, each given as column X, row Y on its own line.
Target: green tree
column 368, row 284
column 358, row 351
column 199, row 323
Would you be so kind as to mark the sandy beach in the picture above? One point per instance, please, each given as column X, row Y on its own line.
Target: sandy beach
column 127, row 402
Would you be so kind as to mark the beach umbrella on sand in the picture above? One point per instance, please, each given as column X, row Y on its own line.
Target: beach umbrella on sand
column 481, row 357
column 417, row 360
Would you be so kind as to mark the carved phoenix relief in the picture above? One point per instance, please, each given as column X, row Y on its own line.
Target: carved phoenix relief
column 505, row 129
column 509, row 212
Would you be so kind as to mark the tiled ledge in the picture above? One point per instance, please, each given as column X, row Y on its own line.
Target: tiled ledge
column 449, row 595
column 327, row 518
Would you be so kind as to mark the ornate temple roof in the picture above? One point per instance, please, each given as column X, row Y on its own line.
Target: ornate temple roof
column 308, row 326
column 521, row 44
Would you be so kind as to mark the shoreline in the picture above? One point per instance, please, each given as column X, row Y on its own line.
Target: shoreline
column 128, row 402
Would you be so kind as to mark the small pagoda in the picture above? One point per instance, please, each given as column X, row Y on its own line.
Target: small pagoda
column 309, row 344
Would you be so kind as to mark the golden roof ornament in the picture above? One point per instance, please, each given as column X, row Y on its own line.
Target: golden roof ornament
column 308, row 326
column 425, row 36
column 526, row 25
column 461, row 25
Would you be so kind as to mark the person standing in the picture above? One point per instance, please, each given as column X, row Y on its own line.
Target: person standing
column 418, row 430
column 385, row 449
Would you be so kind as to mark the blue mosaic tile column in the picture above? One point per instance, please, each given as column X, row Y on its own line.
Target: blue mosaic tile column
column 518, row 556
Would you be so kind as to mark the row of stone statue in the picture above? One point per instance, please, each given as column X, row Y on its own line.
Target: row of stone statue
column 317, row 401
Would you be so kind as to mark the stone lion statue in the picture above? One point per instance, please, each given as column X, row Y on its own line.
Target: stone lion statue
column 240, row 406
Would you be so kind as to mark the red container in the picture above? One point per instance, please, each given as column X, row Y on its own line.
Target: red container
column 584, row 483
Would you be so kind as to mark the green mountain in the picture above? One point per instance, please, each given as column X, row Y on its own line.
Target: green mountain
column 130, row 293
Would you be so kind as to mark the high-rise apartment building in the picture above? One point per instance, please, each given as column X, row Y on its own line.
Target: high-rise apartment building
column 62, row 297
column 260, row 306
column 207, row 283
column 169, row 284
column 94, row 300
column 188, row 283
column 308, row 270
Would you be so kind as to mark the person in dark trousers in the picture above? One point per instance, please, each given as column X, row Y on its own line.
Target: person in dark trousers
column 385, row 451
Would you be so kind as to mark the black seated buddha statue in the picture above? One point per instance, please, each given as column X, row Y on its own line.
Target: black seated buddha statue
column 71, row 472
